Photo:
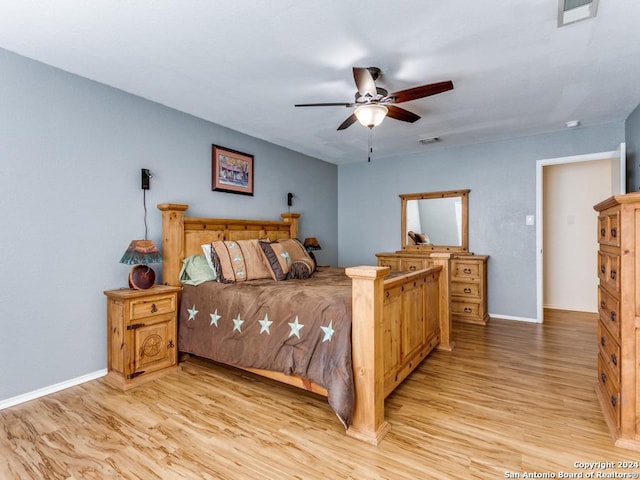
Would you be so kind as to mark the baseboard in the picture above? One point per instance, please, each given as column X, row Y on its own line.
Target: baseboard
column 513, row 317
column 41, row 392
column 570, row 309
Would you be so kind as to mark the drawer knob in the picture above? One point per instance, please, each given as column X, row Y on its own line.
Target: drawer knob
column 602, row 340
column 412, row 268
column 467, row 310
column 170, row 344
column 602, row 304
column 602, row 232
column 603, row 377
column 154, row 309
column 467, row 270
column 613, row 316
column 467, row 290
column 614, row 232
column 602, row 269
column 613, row 274
column 614, row 359
column 614, row 400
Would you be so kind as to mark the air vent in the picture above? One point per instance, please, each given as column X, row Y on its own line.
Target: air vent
column 429, row 141
column 570, row 11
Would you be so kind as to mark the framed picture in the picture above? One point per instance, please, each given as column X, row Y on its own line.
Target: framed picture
column 231, row 171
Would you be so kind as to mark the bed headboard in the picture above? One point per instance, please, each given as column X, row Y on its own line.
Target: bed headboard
column 183, row 236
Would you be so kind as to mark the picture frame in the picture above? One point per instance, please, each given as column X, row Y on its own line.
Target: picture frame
column 231, row 171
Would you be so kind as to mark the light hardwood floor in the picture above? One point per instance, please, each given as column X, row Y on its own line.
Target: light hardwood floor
column 511, row 398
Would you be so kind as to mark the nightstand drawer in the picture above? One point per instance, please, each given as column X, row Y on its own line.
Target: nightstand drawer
column 152, row 306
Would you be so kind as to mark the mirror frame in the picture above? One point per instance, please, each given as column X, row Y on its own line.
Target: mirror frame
column 464, row 194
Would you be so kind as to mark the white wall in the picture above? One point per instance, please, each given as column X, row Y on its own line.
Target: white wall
column 71, row 151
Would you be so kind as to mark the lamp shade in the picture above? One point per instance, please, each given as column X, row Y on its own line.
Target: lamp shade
column 311, row 243
column 140, row 254
column 371, row 115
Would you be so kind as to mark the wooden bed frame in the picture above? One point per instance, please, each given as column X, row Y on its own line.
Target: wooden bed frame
column 396, row 321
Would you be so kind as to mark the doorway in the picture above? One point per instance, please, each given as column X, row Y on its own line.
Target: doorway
column 566, row 190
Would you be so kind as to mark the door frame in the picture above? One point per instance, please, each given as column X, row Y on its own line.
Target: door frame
column 618, row 182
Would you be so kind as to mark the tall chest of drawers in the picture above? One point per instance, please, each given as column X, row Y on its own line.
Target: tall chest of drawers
column 468, row 281
column 618, row 385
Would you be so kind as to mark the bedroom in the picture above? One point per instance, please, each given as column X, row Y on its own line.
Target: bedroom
column 72, row 151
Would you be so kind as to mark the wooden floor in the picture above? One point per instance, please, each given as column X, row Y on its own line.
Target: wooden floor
column 512, row 398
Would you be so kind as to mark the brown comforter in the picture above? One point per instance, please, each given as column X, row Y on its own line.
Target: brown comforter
column 300, row 327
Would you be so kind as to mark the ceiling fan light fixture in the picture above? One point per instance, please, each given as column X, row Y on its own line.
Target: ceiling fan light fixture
column 371, row 115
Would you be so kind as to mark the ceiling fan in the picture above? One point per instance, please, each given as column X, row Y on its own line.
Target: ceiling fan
column 373, row 103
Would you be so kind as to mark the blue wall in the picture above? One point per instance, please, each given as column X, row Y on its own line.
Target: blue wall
column 71, row 151
column 502, row 179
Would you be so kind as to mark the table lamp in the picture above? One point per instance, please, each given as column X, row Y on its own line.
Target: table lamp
column 140, row 254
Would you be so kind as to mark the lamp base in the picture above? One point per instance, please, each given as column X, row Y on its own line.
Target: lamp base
column 141, row 277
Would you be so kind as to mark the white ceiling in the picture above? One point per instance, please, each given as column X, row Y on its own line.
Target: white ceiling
column 245, row 63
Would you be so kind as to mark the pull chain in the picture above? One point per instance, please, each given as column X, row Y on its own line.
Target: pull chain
column 370, row 144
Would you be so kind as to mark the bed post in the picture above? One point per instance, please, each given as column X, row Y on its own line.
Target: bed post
column 172, row 241
column 291, row 218
column 444, row 260
column 368, row 423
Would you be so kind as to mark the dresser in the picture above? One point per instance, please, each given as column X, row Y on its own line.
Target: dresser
column 468, row 280
column 618, row 264
column 141, row 334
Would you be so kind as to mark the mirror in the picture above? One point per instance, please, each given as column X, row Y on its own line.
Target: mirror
column 435, row 221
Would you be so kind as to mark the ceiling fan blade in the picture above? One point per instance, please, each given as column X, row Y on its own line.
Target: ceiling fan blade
column 324, row 105
column 348, row 122
column 421, row 92
column 401, row 114
column 364, row 81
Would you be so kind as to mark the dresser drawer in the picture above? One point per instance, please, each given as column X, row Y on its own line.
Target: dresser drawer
column 609, row 270
column 609, row 229
column 392, row 262
column 465, row 308
column 464, row 289
column 609, row 350
column 611, row 391
column 609, row 309
column 152, row 306
column 465, row 270
column 412, row 265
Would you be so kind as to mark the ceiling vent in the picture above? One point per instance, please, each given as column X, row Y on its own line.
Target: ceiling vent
column 429, row 141
column 570, row 11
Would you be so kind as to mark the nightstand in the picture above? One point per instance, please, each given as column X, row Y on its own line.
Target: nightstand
column 141, row 334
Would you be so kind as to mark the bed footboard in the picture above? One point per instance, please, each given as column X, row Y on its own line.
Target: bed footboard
column 396, row 322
